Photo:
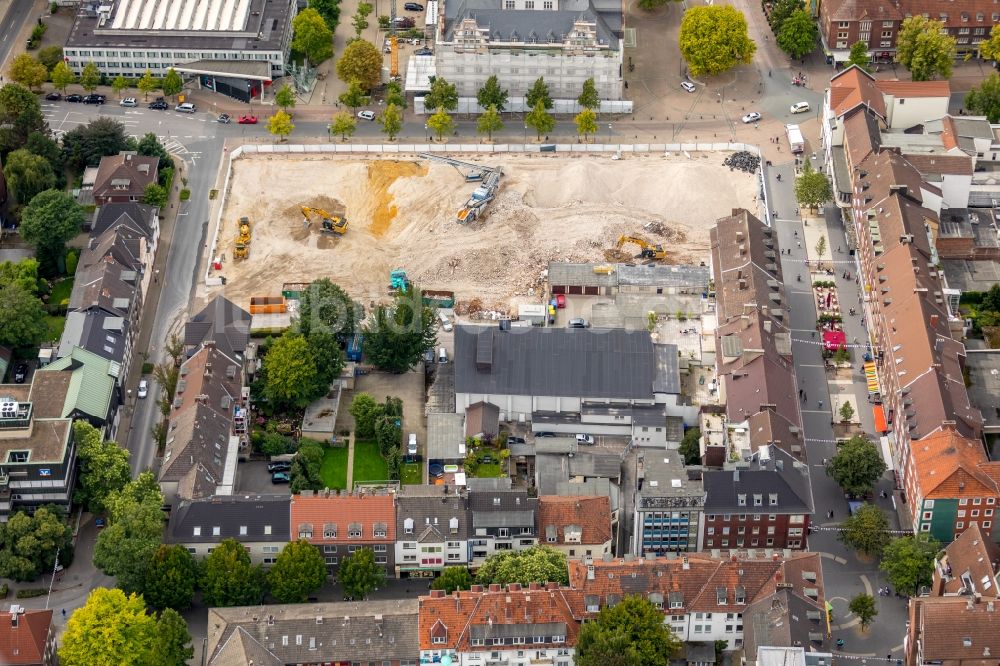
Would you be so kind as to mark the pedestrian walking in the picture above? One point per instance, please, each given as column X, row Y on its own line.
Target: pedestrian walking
column 64, row 612
column 821, row 404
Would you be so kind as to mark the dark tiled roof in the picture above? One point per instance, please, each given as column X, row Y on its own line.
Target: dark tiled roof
column 955, row 630
column 125, row 174
column 780, row 475
column 135, row 217
column 223, row 322
column 783, row 619
column 244, row 518
column 431, row 511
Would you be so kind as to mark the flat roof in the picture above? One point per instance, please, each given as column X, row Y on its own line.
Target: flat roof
column 245, row 69
column 984, row 384
column 180, row 15
column 445, row 436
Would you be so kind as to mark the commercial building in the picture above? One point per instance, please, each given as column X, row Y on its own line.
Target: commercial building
column 259, row 522
column 669, row 503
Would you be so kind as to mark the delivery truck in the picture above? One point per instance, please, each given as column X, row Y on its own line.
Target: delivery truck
column 795, row 140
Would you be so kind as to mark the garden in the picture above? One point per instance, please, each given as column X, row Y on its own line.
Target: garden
column 487, row 457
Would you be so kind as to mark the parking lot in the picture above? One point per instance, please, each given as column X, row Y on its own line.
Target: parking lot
column 252, row 478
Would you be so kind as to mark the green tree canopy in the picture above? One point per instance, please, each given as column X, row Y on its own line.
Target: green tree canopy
column 990, row 48
column 690, row 446
column 20, row 115
column 173, row 640
column 62, row 76
column 150, row 146
column 343, row 124
column 366, row 412
column 441, row 94
column 925, row 48
column 360, row 62
column 441, row 123
column 23, row 323
column 28, row 72
column 171, row 577
column 586, row 123
column 280, row 125
column 172, row 83
column 589, row 99
column 538, row 564
column 29, row 543
column 313, row 37
column 391, row 121
column 714, row 39
column 329, row 10
column 290, row 372
column 47, row 223
column 119, row 84
column 104, row 467
column 135, row 528
column 90, row 78
column 111, row 629
column 991, row 298
column 155, row 195
column 908, row 562
column 326, row 307
column 798, row 34
column 492, row 95
column 857, row 466
column 630, row 633
column 23, row 274
column 453, row 578
column 298, row 572
column 329, row 359
column 394, row 94
column 51, row 56
column 354, row 96
column 359, row 576
column 539, row 92
column 85, row 145
column 863, row 605
column 489, row 122
column 540, row 120
column 653, row 4
column 28, row 174
column 398, row 336
column 780, row 12
column 148, row 83
column 305, row 472
column 859, row 56
column 866, row 530
column 228, row 578
column 812, row 188
column 984, row 99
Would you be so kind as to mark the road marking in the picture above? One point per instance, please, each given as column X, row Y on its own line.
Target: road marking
column 810, row 365
column 816, row 411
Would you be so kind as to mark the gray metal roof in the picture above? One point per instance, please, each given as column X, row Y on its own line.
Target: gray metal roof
column 445, row 434
column 665, row 476
column 133, row 216
column 664, row 275
column 601, row 465
column 668, row 376
column 563, row 273
column 555, row 444
column 223, row 322
column 984, row 390
column 649, row 415
column 250, row 518
column 586, row 363
column 426, row 504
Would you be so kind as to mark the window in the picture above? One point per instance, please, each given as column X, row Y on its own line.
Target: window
column 977, row 501
column 959, row 525
column 558, row 639
column 986, row 524
column 305, row 531
column 197, row 531
column 508, row 4
column 18, row 456
column 409, row 546
column 547, row 4
column 477, row 641
column 243, row 530
column 711, row 531
column 843, row 24
column 741, row 499
column 497, row 641
column 438, row 640
column 529, row 4
column 330, row 531
column 354, row 531
column 408, row 526
column 772, row 499
column 331, row 560
column 329, row 549
column 216, row 530
column 503, row 532
column 975, row 513
column 379, row 531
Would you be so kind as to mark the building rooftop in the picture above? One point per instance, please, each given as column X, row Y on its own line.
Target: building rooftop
column 92, row 384
column 983, row 367
column 771, row 477
column 664, row 275
column 127, row 173
column 783, row 619
column 967, row 275
column 445, row 436
column 24, row 641
column 968, row 566
column 222, row 322
column 330, row 517
column 246, row 518
column 587, row 517
column 664, row 478
column 949, row 465
column 954, row 630
column 135, row 217
column 584, row 275
column 853, row 87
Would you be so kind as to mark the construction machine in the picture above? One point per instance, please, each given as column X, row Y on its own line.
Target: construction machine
column 647, row 249
column 330, row 224
column 475, row 207
column 398, row 280
column 242, row 249
column 473, row 173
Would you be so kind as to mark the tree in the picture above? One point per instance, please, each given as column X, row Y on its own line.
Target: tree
column 866, row 530
column 150, row 146
column 453, row 578
column 111, row 629
column 359, row 575
column 366, row 412
column 489, row 122
column 313, row 38
column 798, row 33
column 441, row 123
column 104, row 467
column 119, row 84
column 857, row 466
column 394, row 94
column 305, row 472
column 397, row 336
column 539, row 92
column 361, row 62
column 343, row 124
column 846, row 411
column 280, row 125
column 690, row 446
column 172, row 83
column 925, row 48
column 326, row 307
column 126, row 546
column 441, row 95
column 908, row 562
column 170, row 578
column 538, row 564
column 50, row 56
column 329, row 10
column 155, row 195
column 23, row 323
column 859, row 56
column 354, row 96
column 391, row 121
column 812, row 188
column 539, row 119
column 228, row 578
column 984, row 99
column 360, row 19
column 173, row 640
column 653, row 4
column 29, row 544
column 714, row 39
column 631, row 632
column 48, row 222
column 991, row 299
column 492, row 95
column 147, row 84
column 62, row 76
column 28, row 174
column 990, row 48
column 91, row 77
column 820, row 246
column 85, row 145
column 863, row 605
column 298, row 572
column 589, row 99
column 20, row 116
column 290, row 372
column 781, row 10
column 23, row 274
column 586, row 123
column 28, row 72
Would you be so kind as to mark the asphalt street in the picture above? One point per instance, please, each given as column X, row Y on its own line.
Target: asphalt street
column 10, row 25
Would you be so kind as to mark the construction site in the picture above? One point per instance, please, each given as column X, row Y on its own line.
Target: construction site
column 484, row 230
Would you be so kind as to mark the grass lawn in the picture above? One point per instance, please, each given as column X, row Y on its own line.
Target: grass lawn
column 368, row 462
column 333, row 469
column 412, row 474
column 61, row 291
column 56, row 325
column 489, row 471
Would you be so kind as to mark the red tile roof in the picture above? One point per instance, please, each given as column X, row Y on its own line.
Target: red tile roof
column 342, row 511
column 947, row 466
column 855, row 87
column 24, row 644
column 591, row 514
column 951, row 165
column 972, row 556
column 954, row 631
column 898, row 88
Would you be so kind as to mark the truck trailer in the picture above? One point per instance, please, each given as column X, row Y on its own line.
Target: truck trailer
column 795, row 140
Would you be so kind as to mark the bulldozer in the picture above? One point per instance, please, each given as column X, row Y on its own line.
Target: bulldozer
column 242, row 249
column 330, row 224
column 647, row 249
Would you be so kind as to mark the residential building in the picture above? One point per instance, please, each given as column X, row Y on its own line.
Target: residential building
column 88, row 387
column 503, row 518
column 704, row 597
column 432, row 530
column 367, row 632
column 223, row 324
column 516, row 626
column 123, row 178
column 446, row 438
column 208, row 427
column 340, row 524
column 769, row 655
column 236, row 47
column 259, row 522
column 27, row 637
column 951, row 485
column 968, row 567
column 669, row 503
column 958, row 631
column 577, row 526
column 571, row 463
column 482, row 419
column 763, row 501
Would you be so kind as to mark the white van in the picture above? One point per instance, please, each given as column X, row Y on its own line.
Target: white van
column 799, row 107
column 442, row 355
column 445, row 322
column 186, row 107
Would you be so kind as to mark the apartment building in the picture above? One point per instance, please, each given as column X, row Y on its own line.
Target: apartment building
column 577, row 526
column 433, row 530
column 503, row 518
column 27, row 637
column 259, row 522
column 669, row 503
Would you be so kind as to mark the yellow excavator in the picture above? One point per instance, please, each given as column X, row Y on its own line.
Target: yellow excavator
column 331, row 224
column 242, row 249
column 648, row 250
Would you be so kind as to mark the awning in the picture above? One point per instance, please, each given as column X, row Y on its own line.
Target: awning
column 886, row 453
column 834, row 340
column 871, row 377
column 880, row 423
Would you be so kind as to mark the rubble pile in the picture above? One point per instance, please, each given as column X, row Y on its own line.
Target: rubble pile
column 743, row 161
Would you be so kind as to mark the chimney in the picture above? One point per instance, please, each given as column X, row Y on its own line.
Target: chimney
column 514, row 587
column 685, row 564
column 495, row 587
column 437, row 594
column 934, row 320
column 552, row 586
column 477, row 588
column 534, row 586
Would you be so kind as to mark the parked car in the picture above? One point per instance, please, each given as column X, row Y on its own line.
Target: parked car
column 129, row 102
column 159, row 105
column 186, row 107
column 20, row 372
column 280, row 466
column 143, row 389
column 799, row 107
column 280, row 477
column 560, row 301
column 579, row 322
column 413, row 7
column 584, row 439
column 53, row 97
column 545, row 434
column 248, row 120
column 225, row 119
column 94, row 99
column 366, row 115
column 751, row 117
column 74, row 98
column 688, row 86
column 411, row 444
column 424, row 52
column 511, row 439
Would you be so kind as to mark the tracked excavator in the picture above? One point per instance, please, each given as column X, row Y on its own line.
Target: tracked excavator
column 331, row 224
column 647, row 249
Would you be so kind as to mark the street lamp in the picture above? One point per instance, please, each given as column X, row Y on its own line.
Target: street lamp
column 609, row 132
column 526, row 132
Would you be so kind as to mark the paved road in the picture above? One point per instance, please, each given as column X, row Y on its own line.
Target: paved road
column 11, row 24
